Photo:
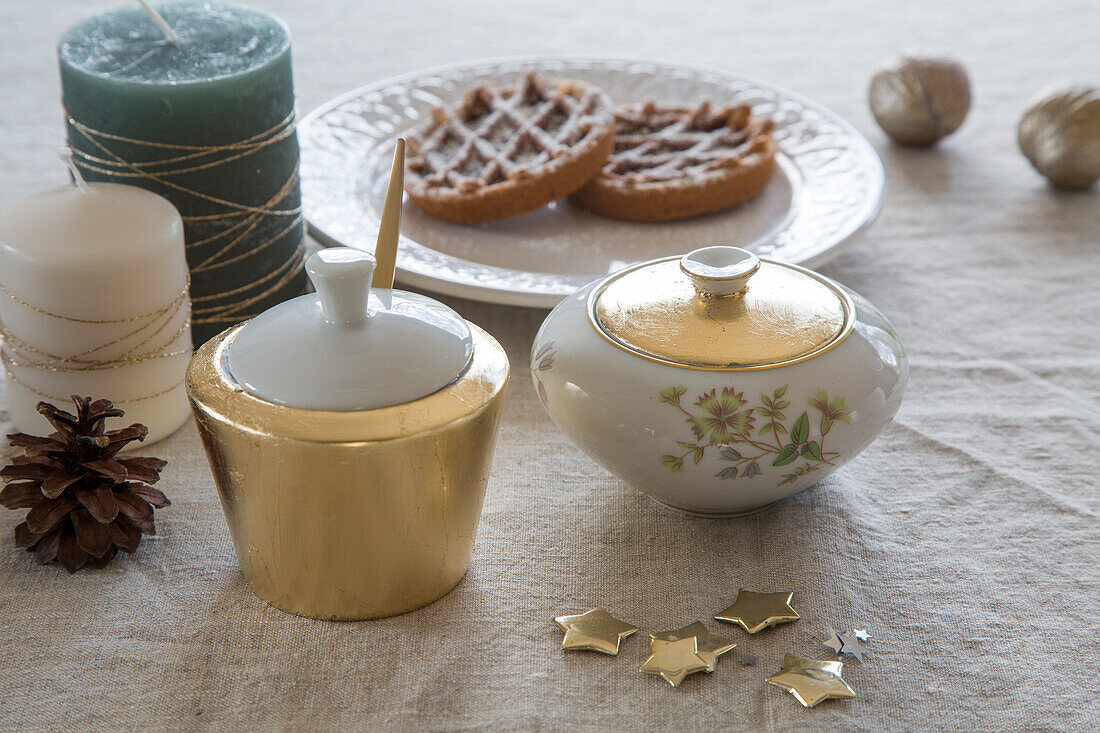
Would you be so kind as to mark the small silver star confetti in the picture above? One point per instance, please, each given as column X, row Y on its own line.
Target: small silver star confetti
column 852, row 646
column 861, row 634
column 834, row 641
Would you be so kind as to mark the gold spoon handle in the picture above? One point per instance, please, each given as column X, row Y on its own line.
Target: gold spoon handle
column 389, row 229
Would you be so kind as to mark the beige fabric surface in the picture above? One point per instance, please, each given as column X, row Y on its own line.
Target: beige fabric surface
column 965, row 539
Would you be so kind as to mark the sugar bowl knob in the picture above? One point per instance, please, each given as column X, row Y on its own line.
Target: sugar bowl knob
column 342, row 277
column 718, row 272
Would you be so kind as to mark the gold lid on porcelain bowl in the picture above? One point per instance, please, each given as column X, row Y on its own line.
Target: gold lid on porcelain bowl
column 721, row 308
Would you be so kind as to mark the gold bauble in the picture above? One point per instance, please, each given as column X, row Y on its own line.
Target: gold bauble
column 1060, row 135
column 918, row 99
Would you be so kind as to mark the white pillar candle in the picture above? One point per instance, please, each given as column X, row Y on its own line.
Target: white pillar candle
column 93, row 301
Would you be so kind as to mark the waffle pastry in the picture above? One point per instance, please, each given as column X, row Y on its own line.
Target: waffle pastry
column 671, row 162
column 504, row 151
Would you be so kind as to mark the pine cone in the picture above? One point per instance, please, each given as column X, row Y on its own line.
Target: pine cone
column 84, row 503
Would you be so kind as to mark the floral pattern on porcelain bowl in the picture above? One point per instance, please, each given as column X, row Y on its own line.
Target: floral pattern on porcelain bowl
column 718, row 442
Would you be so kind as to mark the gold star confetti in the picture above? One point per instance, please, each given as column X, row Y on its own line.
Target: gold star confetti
column 756, row 611
column 596, row 630
column 673, row 660
column 709, row 646
column 811, row 680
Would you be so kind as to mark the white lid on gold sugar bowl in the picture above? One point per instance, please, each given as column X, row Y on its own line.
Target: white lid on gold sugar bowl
column 721, row 308
column 348, row 347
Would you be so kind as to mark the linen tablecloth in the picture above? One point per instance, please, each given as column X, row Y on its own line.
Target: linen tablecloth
column 966, row 538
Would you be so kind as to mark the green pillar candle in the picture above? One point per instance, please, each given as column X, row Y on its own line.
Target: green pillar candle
column 206, row 121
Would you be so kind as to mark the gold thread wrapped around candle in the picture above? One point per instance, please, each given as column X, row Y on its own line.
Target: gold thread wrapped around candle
column 20, row 353
column 206, row 119
column 160, row 172
column 94, row 300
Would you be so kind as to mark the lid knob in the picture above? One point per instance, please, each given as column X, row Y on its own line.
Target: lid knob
column 342, row 277
column 720, row 271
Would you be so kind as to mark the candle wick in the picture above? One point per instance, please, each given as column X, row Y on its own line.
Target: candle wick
column 66, row 155
column 161, row 22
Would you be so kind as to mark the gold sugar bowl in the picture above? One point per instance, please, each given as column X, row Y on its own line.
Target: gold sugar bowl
column 350, row 434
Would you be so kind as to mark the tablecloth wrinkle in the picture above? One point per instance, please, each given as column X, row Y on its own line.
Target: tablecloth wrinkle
column 965, row 539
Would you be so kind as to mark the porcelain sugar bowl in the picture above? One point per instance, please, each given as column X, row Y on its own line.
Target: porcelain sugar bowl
column 719, row 382
column 350, row 434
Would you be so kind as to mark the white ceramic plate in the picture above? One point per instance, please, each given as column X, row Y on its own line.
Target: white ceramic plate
column 826, row 190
